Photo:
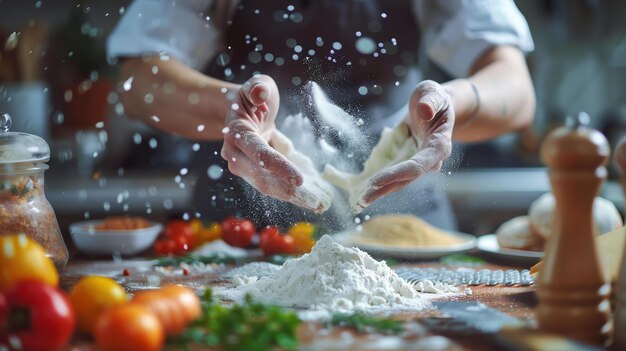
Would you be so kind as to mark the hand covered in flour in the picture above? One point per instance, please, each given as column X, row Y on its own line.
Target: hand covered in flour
column 248, row 147
column 430, row 121
column 416, row 146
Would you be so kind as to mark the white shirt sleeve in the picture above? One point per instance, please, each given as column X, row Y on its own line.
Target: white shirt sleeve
column 456, row 32
column 178, row 28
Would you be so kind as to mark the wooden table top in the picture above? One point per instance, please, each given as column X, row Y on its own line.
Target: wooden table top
column 429, row 330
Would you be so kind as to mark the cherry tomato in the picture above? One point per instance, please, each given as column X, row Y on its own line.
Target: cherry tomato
column 302, row 228
column 179, row 231
column 302, row 245
column 39, row 316
column 196, row 225
column 23, row 258
column 170, row 316
column 128, row 327
column 175, row 306
column 204, row 234
column 91, row 296
column 274, row 243
column 181, row 246
column 302, row 234
column 186, row 299
column 237, row 231
column 212, row 232
column 165, row 247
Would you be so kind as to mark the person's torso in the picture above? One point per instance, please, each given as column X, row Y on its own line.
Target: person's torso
column 362, row 53
column 358, row 51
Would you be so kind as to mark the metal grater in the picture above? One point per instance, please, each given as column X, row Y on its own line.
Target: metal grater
column 467, row 276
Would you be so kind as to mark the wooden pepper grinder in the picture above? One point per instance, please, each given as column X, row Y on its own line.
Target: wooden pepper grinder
column 571, row 289
column 619, row 337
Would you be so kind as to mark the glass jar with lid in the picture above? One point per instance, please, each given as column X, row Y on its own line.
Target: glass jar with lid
column 23, row 204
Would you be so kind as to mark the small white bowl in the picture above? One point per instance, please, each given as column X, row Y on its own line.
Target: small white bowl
column 90, row 240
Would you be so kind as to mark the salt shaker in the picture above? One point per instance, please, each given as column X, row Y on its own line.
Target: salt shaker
column 571, row 289
column 619, row 338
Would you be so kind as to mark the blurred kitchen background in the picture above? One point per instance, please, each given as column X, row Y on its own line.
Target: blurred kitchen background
column 55, row 82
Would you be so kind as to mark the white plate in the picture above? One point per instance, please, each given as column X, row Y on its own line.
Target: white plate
column 489, row 243
column 106, row 242
column 410, row 253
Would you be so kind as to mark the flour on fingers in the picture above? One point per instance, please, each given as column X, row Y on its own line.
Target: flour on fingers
column 395, row 145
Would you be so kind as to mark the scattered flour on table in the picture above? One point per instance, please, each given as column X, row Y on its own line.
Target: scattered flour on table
column 253, row 269
column 332, row 278
column 439, row 288
column 220, row 248
column 216, row 248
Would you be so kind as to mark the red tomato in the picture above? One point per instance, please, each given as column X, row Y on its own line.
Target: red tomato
column 237, row 231
column 179, row 231
column 182, row 246
column 40, row 316
column 175, row 306
column 165, row 247
column 274, row 243
column 128, row 327
column 91, row 296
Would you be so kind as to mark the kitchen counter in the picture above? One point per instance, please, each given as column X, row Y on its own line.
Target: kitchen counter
column 424, row 327
column 509, row 188
column 486, row 192
column 517, row 301
column 483, row 199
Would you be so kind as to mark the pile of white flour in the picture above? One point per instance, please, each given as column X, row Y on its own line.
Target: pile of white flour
column 332, row 278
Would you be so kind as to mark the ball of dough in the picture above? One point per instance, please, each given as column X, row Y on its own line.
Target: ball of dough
column 605, row 215
column 516, row 234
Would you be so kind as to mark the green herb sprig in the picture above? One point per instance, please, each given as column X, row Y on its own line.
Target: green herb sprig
column 250, row 326
column 461, row 260
column 366, row 324
column 194, row 258
column 20, row 190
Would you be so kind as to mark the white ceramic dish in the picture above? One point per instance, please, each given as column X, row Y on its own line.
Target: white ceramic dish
column 489, row 244
column 107, row 242
column 410, row 253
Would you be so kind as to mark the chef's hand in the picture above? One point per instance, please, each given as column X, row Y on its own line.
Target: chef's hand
column 430, row 121
column 250, row 124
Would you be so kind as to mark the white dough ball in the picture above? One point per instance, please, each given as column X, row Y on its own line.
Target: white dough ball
column 605, row 214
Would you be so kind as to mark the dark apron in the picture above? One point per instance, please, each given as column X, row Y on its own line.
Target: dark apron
column 264, row 36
